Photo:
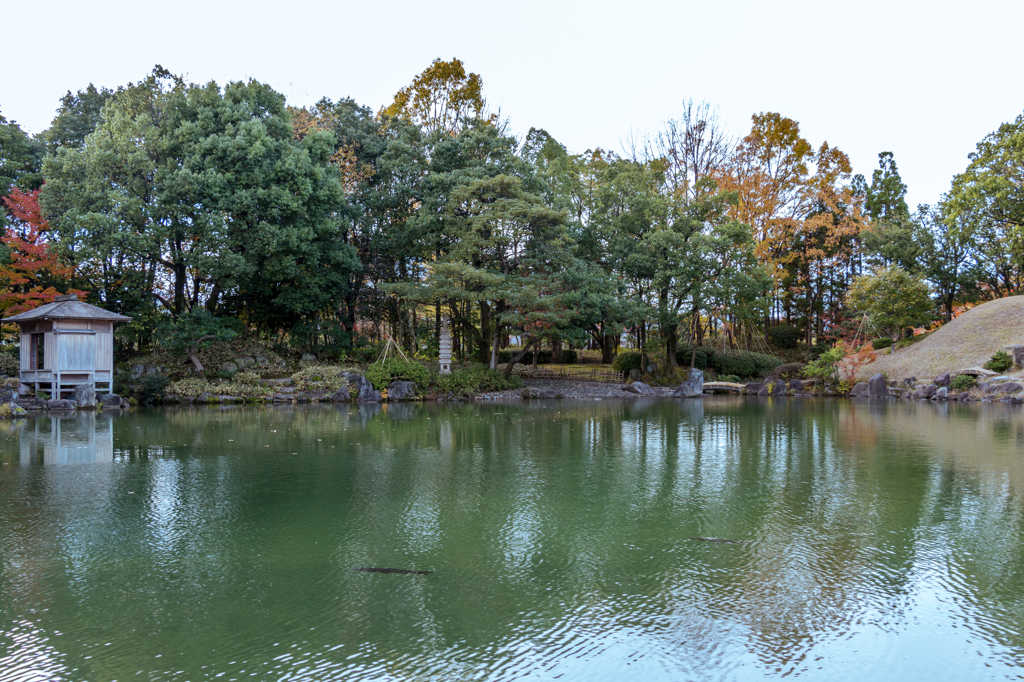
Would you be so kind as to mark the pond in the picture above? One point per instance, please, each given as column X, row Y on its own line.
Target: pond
column 872, row 540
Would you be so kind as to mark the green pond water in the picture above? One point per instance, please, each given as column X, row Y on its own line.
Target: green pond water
column 881, row 541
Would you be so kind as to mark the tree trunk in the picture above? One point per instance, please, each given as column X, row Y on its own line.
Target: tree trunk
column 671, row 343
column 557, row 356
column 485, row 331
column 180, row 274
column 606, row 347
column 516, row 358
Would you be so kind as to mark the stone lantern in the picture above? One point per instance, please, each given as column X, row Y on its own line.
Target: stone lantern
column 445, row 348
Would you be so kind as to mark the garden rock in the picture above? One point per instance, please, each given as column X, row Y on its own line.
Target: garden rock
column 941, row 394
column 85, row 396
column 910, row 382
column 877, row 386
column 364, row 389
column 262, row 360
column 60, row 405
column 860, row 390
column 401, row 390
column 693, row 387
column 640, row 388
column 922, row 392
column 941, row 380
column 752, row 388
column 245, row 363
column 635, row 375
column 307, row 359
column 111, row 400
column 1011, row 387
column 229, row 367
column 138, row 371
column 8, row 394
column 796, row 384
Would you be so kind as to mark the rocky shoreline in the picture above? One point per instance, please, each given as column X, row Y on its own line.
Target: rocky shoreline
column 359, row 390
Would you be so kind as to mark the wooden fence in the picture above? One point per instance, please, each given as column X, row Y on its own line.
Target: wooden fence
column 606, row 376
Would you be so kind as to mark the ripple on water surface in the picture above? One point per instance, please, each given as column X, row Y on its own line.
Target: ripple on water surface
column 870, row 541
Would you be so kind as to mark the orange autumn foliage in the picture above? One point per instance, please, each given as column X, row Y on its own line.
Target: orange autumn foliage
column 26, row 282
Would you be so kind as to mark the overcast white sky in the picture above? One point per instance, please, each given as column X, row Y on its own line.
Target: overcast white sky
column 925, row 80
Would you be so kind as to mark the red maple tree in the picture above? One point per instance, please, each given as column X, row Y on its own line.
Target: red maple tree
column 27, row 281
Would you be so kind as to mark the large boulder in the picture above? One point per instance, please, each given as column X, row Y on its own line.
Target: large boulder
column 752, row 388
column 307, row 359
column 112, row 401
column 401, row 390
column 635, row 375
column 85, row 396
column 639, row 388
column 60, row 405
column 245, row 363
column 138, row 371
column 922, row 392
column 941, row 380
column 364, row 392
column 860, row 390
column 8, row 394
column 693, row 387
column 878, row 387
column 942, row 393
column 796, row 385
column 229, row 367
column 1011, row 387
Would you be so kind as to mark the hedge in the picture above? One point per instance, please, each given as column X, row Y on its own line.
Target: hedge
column 569, row 357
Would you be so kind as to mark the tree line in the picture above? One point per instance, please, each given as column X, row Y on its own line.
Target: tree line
column 326, row 226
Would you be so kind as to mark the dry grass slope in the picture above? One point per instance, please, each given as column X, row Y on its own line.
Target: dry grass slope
column 968, row 341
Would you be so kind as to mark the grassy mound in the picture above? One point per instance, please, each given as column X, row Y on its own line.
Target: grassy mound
column 968, row 341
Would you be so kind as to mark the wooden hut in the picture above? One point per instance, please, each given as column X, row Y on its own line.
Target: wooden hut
column 67, row 343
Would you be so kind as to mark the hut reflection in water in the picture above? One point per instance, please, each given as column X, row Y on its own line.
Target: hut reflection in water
column 81, row 438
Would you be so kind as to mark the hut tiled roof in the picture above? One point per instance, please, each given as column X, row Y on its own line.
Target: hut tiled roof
column 67, row 308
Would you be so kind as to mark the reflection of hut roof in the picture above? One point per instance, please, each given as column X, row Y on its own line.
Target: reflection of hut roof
column 67, row 308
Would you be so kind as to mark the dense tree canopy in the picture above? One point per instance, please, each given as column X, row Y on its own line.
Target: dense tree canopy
column 330, row 225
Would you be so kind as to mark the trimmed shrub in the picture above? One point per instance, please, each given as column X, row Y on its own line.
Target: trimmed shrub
column 10, row 360
column 1000, row 362
column 685, row 353
column 742, row 363
column 963, row 382
column 151, row 389
column 627, row 360
column 380, row 374
column 730, row 378
column 569, row 357
column 784, row 336
column 879, row 344
column 472, row 380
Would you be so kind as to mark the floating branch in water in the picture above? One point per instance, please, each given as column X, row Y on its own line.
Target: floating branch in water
column 393, row 570
column 732, row 542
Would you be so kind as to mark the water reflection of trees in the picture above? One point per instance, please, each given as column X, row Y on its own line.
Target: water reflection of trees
column 542, row 517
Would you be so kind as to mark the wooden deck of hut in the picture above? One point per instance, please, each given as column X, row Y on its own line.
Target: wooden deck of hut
column 65, row 344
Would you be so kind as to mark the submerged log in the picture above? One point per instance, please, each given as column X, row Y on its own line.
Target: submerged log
column 731, row 542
